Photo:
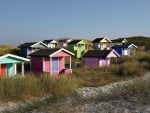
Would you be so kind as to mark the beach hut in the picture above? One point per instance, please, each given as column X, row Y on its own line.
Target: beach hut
column 30, row 47
column 63, row 42
column 78, row 47
column 125, row 49
column 8, row 64
column 51, row 61
column 93, row 58
column 101, row 43
column 50, row 43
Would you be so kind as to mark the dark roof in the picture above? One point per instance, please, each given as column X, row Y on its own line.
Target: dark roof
column 115, row 41
column 28, row 44
column 121, row 46
column 46, row 41
column 74, row 41
column 62, row 40
column 97, row 53
column 97, row 39
column 44, row 52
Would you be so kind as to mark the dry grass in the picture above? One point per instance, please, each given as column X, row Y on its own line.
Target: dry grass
column 23, row 88
column 139, row 88
column 96, row 76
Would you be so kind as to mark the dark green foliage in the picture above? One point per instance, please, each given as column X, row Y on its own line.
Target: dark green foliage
column 137, row 40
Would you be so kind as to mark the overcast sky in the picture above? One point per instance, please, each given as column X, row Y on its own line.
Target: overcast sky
column 35, row 20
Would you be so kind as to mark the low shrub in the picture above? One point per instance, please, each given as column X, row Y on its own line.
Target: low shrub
column 132, row 68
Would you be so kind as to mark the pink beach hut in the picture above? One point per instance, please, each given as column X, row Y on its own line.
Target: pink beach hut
column 93, row 58
column 51, row 61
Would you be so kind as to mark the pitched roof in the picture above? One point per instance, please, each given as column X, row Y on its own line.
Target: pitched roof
column 62, row 40
column 47, row 41
column 48, row 52
column 97, row 39
column 123, row 46
column 74, row 41
column 31, row 44
column 120, row 40
column 14, row 56
column 97, row 53
column 100, row 39
column 44, row 52
column 27, row 44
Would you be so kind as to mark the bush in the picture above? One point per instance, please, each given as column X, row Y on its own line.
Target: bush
column 131, row 69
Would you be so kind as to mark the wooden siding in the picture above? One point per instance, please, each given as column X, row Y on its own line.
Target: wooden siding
column 126, row 51
column 61, row 63
column 46, row 64
column 10, row 70
column 2, row 70
column 112, row 54
column 39, row 45
column 61, row 54
column 37, row 64
column 91, row 62
column 78, row 49
column 55, row 64
column 104, row 62
column 9, row 60
column 23, row 52
column 118, row 50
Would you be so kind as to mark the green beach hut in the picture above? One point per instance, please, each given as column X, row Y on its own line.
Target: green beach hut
column 78, row 47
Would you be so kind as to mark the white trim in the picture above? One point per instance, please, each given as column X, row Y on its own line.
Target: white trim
column 53, row 42
column 58, row 64
column 124, row 40
column 70, row 62
column 22, row 68
column 117, row 54
column 38, row 43
column 62, row 49
column 14, row 56
column 106, row 39
column 132, row 46
column 64, row 62
column 51, row 65
column 15, row 68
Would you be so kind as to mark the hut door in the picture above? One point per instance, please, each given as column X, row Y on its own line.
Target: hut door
column 2, row 70
column 55, row 64
column 9, row 69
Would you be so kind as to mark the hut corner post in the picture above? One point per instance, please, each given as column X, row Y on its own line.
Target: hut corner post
column 70, row 62
column 22, row 68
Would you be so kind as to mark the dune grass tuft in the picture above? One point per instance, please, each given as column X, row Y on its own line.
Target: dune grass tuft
column 29, row 86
